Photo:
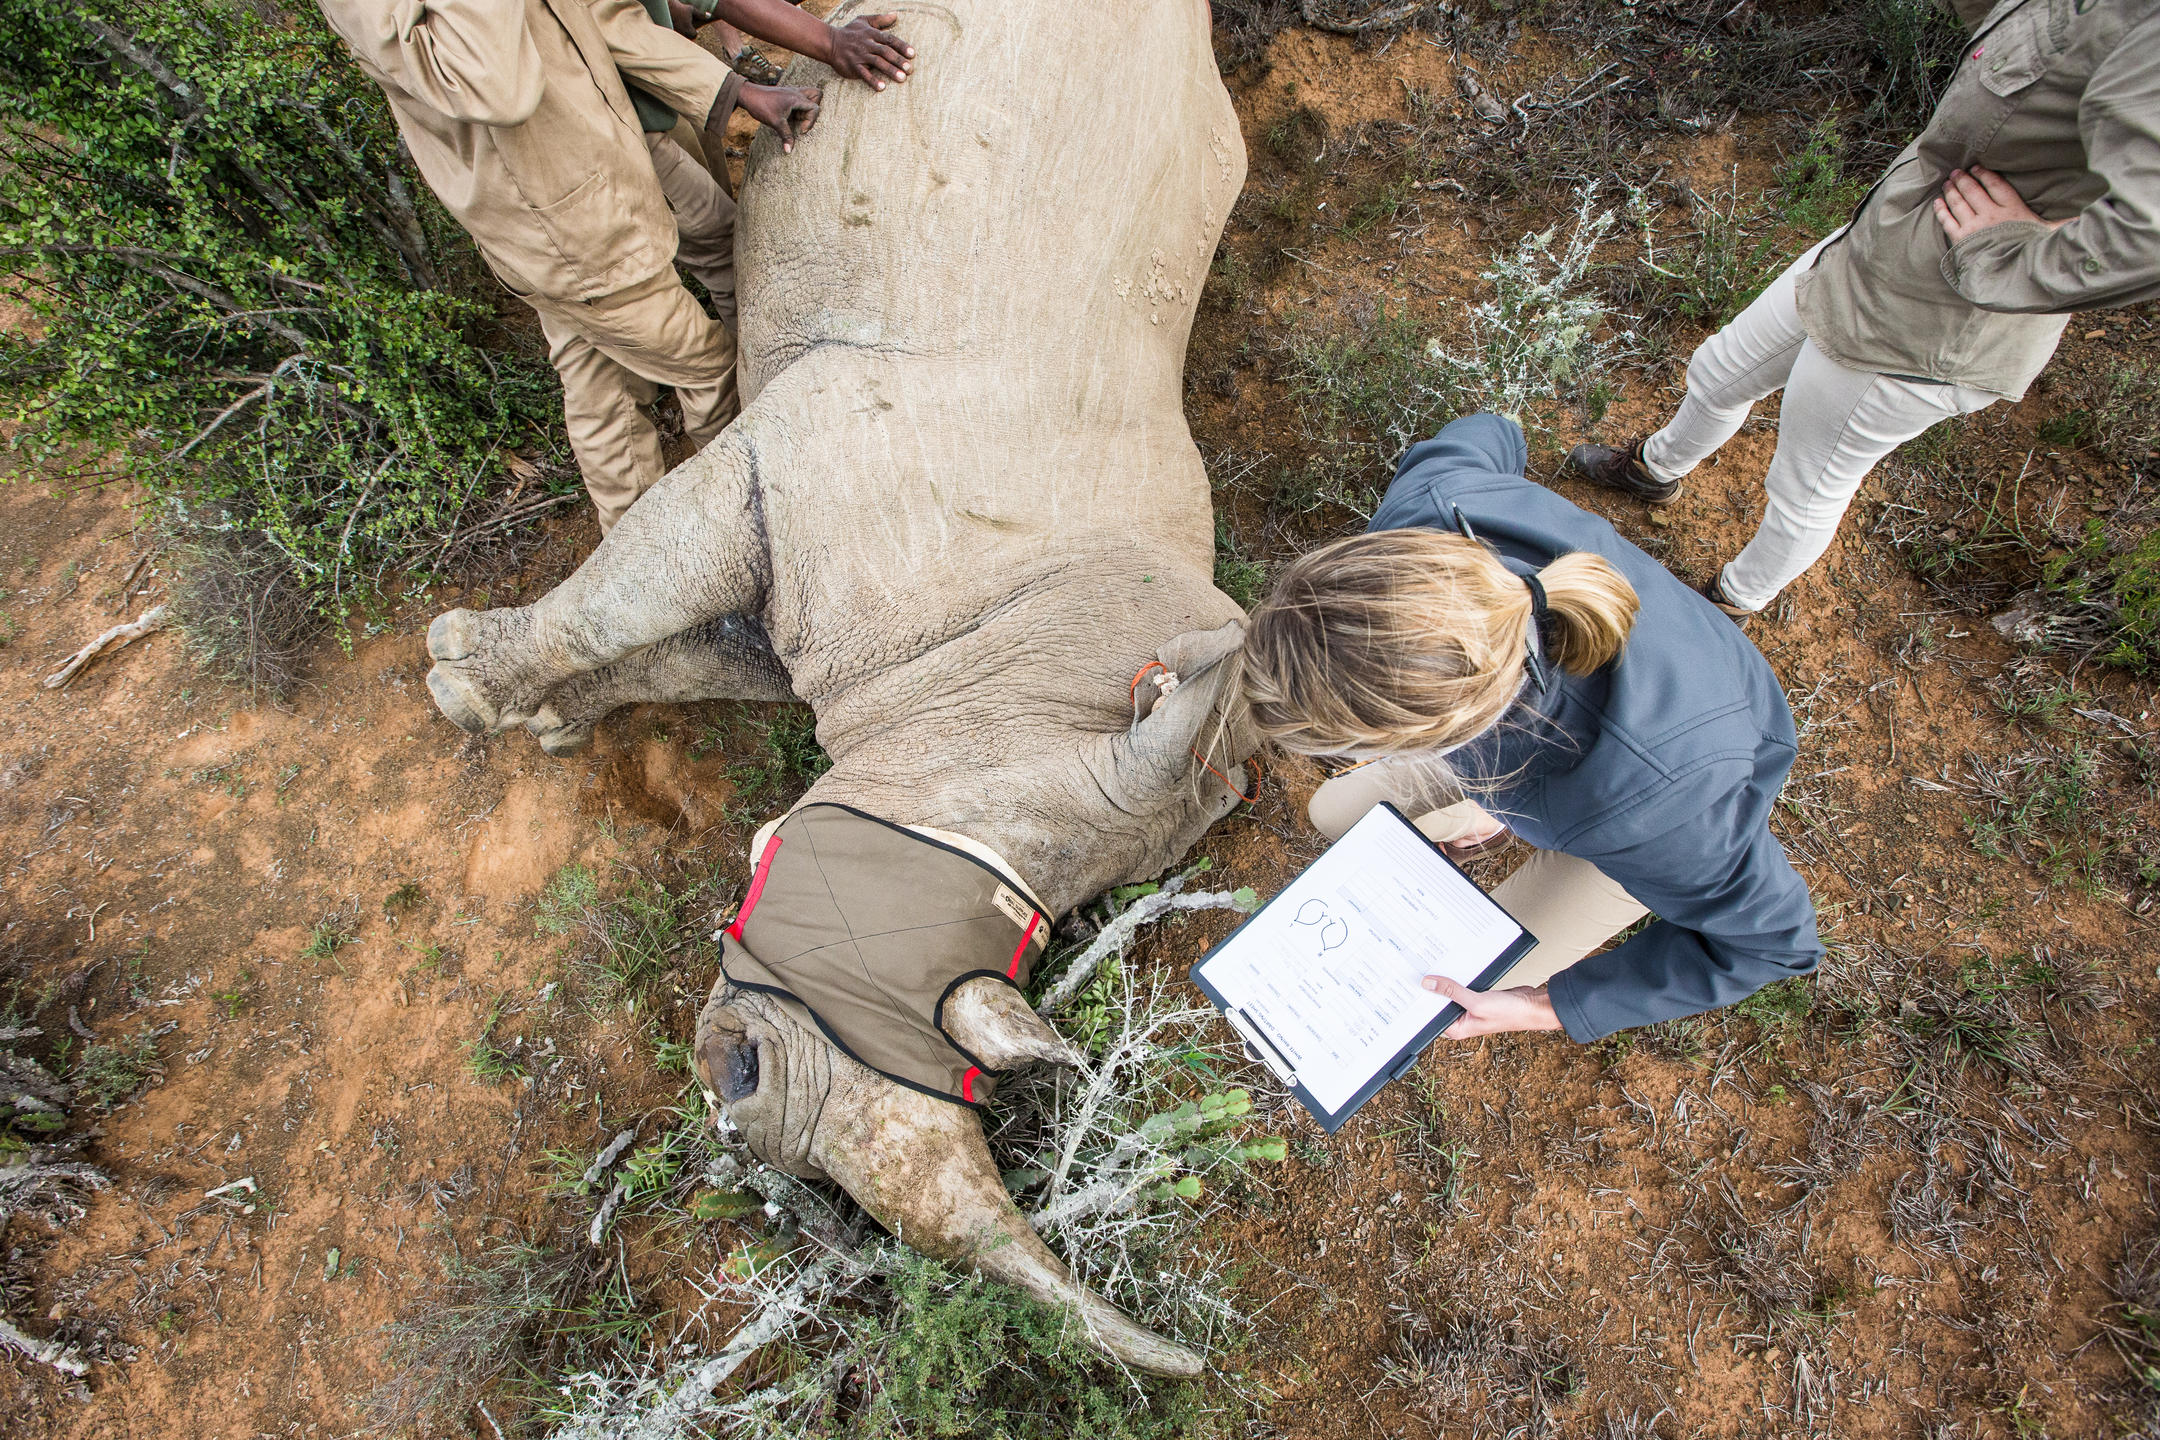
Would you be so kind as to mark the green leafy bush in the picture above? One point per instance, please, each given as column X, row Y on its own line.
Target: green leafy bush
column 232, row 274
column 966, row 1357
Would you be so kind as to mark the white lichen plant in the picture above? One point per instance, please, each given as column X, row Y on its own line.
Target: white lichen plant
column 1543, row 334
column 1119, row 1167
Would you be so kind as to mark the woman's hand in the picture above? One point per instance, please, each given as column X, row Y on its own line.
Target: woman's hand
column 1462, row 847
column 1980, row 199
column 1495, row 1012
column 861, row 50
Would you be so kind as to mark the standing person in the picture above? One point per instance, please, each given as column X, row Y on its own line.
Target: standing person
column 2033, row 193
column 515, row 114
column 1487, row 639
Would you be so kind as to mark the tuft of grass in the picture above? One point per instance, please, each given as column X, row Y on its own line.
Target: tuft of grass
column 2132, row 1323
column 331, row 934
column 1710, row 274
column 495, row 1320
column 1237, row 574
column 624, row 942
column 406, row 896
column 486, row 1057
column 1451, row 1365
column 787, row 760
column 242, row 606
column 568, row 897
column 108, row 1074
column 2053, row 808
column 1781, row 1009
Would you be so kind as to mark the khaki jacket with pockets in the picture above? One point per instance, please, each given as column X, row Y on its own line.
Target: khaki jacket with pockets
column 515, row 113
column 2060, row 97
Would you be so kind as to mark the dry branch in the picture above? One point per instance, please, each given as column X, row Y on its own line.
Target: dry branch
column 152, row 620
column 1116, row 935
column 64, row 1358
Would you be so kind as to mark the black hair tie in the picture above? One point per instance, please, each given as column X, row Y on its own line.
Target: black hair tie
column 1548, row 627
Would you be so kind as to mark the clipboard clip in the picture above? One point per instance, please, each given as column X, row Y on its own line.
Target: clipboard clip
column 1259, row 1047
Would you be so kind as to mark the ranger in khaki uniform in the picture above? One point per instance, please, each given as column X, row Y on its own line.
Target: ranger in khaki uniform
column 2034, row 192
column 516, row 114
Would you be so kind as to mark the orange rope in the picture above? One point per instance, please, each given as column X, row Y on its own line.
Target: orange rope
column 1134, row 695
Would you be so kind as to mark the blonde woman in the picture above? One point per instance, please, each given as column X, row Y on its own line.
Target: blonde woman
column 1505, row 661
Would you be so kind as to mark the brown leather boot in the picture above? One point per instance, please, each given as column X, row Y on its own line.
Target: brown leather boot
column 1622, row 470
column 1713, row 590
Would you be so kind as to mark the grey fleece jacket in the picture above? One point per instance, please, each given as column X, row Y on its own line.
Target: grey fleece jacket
column 1661, row 768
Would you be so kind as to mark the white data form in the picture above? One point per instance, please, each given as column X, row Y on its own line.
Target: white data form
column 1329, row 972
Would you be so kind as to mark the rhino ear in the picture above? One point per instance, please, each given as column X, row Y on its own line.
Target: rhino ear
column 994, row 1023
column 1183, row 721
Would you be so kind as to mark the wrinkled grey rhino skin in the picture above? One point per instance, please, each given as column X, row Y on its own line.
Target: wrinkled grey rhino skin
column 960, row 510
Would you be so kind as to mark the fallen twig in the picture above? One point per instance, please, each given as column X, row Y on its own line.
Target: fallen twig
column 128, row 584
column 64, row 1358
column 152, row 620
column 775, row 1318
column 1119, row 933
column 607, row 1157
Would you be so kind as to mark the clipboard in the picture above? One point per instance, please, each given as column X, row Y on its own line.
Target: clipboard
column 1260, row 977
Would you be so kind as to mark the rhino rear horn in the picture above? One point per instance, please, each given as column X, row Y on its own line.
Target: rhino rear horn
column 994, row 1023
column 920, row 1166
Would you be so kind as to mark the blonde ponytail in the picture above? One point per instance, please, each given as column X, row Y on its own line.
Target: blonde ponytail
column 1410, row 640
column 1595, row 608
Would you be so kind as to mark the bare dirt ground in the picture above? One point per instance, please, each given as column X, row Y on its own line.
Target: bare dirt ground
column 1891, row 1203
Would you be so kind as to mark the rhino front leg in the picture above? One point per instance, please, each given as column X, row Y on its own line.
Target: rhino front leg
column 724, row 659
column 690, row 550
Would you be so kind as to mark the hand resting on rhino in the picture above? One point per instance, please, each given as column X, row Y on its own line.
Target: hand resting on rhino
column 959, row 513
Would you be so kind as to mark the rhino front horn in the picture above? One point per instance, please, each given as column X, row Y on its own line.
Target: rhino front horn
column 920, row 1166
column 994, row 1023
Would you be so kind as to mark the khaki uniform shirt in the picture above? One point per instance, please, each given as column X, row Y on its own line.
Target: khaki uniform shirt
column 515, row 113
column 2062, row 99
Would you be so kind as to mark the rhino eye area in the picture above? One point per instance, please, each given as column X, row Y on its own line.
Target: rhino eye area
column 739, row 1072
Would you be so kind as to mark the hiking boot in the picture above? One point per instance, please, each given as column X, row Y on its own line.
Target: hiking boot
column 1622, row 470
column 754, row 67
column 1713, row 590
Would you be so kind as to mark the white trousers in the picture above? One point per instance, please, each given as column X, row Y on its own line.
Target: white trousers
column 1833, row 426
column 1569, row 904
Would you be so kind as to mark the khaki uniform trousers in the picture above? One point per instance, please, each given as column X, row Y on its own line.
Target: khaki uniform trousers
column 1569, row 904
column 614, row 353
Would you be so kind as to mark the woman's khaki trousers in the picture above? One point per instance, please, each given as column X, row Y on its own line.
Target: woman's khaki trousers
column 1569, row 904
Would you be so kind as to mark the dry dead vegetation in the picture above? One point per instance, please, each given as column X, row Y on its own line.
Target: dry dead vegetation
column 1908, row 1197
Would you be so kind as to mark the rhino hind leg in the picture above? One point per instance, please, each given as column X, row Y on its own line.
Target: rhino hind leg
column 689, row 551
column 727, row 658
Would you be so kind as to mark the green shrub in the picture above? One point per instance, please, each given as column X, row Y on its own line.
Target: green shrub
column 234, row 275
column 1237, row 574
column 787, row 760
column 109, row 1074
column 1815, row 193
column 963, row 1357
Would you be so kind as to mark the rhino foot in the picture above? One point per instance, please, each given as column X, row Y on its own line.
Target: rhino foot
column 474, row 684
column 558, row 735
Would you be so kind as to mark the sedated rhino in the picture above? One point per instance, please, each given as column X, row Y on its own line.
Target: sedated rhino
column 960, row 510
